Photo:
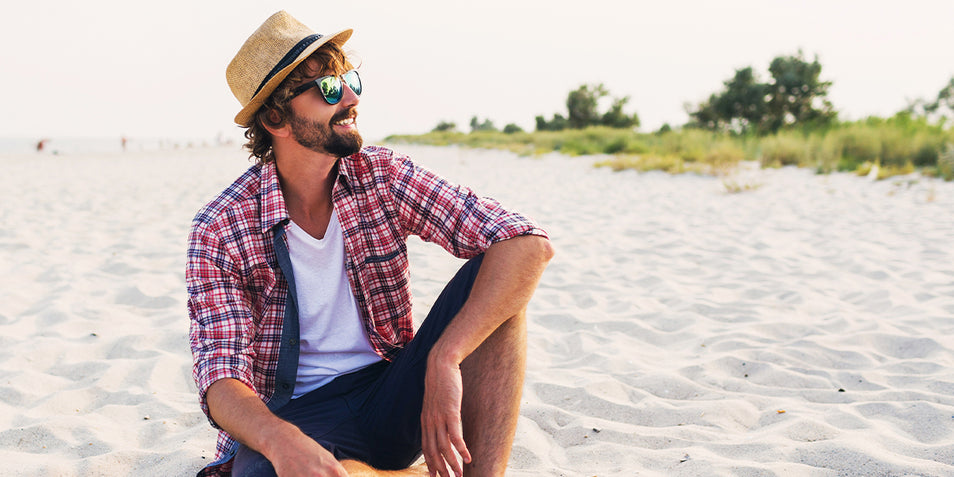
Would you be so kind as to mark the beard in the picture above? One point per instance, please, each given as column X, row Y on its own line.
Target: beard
column 322, row 138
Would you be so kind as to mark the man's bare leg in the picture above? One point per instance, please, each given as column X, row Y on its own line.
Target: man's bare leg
column 360, row 469
column 493, row 384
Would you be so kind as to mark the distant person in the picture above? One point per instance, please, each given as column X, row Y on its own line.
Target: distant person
column 41, row 144
column 304, row 353
column 122, row 141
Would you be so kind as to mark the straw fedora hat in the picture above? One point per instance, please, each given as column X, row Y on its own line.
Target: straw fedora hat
column 268, row 56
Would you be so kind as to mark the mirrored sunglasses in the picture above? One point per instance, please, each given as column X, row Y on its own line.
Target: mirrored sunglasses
column 331, row 86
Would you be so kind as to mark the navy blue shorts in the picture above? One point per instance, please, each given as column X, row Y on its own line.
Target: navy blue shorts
column 372, row 415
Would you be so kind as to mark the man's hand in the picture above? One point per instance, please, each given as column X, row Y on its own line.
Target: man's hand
column 502, row 288
column 441, row 428
column 305, row 457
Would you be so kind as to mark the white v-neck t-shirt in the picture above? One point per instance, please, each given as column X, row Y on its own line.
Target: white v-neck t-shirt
column 333, row 340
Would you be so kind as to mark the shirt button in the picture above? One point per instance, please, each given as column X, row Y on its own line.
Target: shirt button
column 285, row 386
column 293, row 341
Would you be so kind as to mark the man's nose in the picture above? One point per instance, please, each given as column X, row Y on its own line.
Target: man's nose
column 348, row 96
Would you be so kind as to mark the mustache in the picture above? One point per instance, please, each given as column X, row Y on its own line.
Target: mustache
column 348, row 113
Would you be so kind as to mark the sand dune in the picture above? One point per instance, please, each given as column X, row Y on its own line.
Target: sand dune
column 805, row 327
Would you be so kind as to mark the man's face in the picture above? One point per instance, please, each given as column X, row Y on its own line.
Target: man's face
column 323, row 127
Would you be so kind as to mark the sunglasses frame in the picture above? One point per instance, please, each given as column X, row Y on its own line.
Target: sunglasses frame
column 342, row 82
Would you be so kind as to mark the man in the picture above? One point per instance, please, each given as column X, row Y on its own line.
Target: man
column 298, row 289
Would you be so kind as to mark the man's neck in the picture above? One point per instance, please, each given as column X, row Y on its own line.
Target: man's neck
column 307, row 179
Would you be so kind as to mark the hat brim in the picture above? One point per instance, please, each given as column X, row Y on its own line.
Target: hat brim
column 244, row 117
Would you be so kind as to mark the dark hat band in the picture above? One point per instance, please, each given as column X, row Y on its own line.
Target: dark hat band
column 288, row 58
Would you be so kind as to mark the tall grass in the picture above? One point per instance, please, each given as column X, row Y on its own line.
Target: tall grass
column 786, row 149
column 945, row 163
column 675, row 151
column 897, row 145
column 573, row 142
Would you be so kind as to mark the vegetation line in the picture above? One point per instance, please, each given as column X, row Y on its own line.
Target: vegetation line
column 786, row 120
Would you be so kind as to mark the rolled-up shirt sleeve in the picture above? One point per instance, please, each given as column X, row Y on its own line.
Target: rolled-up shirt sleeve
column 220, row 315
column 452, row 215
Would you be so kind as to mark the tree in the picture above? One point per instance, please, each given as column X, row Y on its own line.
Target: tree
column 445, row 126
column 796, row 94
column 581, row 104
column 945, row 97
column 616, row 118
column 705, row 116
column 940, row 108
column 744, row 101
column 512, row 128
column 558, row 123
column 740, row 107
column 486, row 125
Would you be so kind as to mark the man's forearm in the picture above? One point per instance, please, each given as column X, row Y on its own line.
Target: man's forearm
column 239, row 411
column 508, row 276
column 242, row 414
column 504, row 284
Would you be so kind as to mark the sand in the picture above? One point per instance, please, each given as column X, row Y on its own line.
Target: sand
column 805, row 327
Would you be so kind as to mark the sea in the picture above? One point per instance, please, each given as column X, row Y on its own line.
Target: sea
column 92, row 145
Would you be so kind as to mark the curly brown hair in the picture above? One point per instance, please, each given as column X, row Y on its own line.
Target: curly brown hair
column 276, row 110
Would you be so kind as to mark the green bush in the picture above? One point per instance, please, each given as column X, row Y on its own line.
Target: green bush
column 926, row 154
column 785, row 149
column 723, row 155
column 897, row 147
column 945, row 163
column 855, row 145
column 625, row 144
column 825, row 156
column 650, row 162
column 579, row 147
column 598, row 140
column 689, row 144
column 445, row 126
column 512, row 128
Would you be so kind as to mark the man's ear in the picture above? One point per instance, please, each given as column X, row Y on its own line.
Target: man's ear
column 272, row 117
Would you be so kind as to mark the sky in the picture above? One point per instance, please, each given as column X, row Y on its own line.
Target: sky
column 103, row 68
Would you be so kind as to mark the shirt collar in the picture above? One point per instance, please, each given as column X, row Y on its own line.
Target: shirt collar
column 346, row 170
column 274, row 211
column 273, row 202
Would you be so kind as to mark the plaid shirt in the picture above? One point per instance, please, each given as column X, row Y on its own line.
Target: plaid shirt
column 237, row 293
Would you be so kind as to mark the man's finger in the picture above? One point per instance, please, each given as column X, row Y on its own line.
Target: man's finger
column 447, row 451
column 433, row 453
column 430, row 456
column 457, row 438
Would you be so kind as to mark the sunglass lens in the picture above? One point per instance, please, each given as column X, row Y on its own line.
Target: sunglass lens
column 331, row 89
column 354, row 81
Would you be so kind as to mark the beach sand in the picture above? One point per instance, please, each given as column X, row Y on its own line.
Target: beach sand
column 805, row 327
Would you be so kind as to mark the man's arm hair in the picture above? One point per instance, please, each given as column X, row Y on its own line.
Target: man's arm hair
column 241, row 413
column 508, row 276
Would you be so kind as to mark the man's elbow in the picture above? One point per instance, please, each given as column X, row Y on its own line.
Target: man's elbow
column 539, row 248
column 547, row 251
column 525, row 249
